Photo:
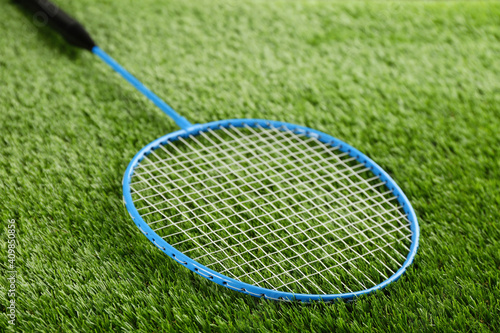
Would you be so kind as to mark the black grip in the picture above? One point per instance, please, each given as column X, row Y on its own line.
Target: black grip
column 72, row 31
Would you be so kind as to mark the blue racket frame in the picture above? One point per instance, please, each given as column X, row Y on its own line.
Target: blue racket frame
column 188, row 129
column 245, row 287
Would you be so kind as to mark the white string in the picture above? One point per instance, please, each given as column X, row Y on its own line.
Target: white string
column 305, row 250
column 167, row 160
column 286, row 196
column 238, row 213
column 285, row 138
column 274, row 221
column 365, row 254
column 176, row 163
column 327, row 256
column 309, row 239
column 158, row 179
column 273, row 208
column 211, row 241
column 236, row 264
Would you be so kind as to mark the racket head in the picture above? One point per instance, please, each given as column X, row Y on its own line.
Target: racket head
column 243, row 287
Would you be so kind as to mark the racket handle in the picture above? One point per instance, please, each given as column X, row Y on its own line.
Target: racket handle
column 69, row 28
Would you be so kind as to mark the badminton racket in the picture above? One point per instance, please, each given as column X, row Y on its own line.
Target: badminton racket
column 262, row 207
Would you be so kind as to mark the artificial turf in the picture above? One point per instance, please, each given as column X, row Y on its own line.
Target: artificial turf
column 414, row 85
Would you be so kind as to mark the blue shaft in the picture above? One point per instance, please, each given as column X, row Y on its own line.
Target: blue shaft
column 179, row 120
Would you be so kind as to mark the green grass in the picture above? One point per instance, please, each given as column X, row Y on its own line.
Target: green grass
column 414, row 85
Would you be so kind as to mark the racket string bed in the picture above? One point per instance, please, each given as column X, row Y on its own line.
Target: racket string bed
column 273, row 208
